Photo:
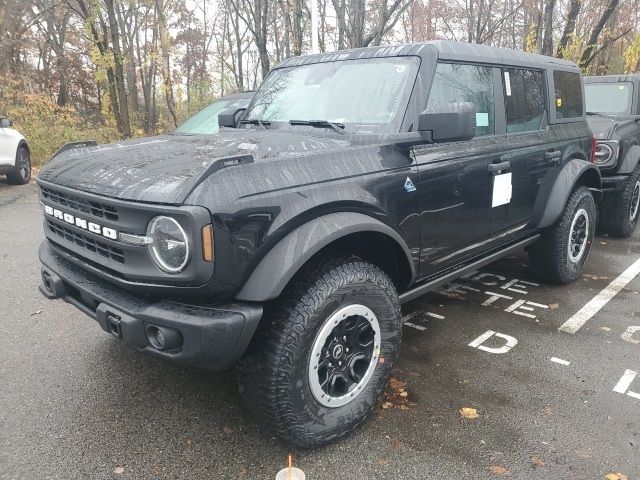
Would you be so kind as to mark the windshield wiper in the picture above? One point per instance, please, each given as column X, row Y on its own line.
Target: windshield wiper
column 336, row 127
column 597, row 114
column 255, row 121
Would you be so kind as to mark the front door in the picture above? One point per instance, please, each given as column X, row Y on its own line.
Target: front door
column 455, row 186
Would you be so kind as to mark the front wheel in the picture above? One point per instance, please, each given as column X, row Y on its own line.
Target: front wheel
column 322, row 359
column 561, row 252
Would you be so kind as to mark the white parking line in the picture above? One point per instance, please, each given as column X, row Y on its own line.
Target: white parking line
column 576, row 322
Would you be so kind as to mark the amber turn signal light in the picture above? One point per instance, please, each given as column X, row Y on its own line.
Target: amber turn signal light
column 207, row 243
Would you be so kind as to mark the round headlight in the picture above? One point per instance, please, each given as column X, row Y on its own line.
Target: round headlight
column 604, row 153
column 170, row 246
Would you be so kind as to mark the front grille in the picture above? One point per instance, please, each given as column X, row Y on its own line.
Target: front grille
column 79, row 204
column 87, row 243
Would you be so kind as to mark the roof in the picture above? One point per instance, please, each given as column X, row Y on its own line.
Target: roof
column 630, row 77
column 446, row 50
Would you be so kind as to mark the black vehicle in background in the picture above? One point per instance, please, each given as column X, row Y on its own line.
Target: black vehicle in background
column 286, row 243
column 613, row 109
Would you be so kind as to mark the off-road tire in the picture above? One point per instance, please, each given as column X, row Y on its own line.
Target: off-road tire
column 21, row 173
column 549, row 257
column 615, row 209
column 274, row 372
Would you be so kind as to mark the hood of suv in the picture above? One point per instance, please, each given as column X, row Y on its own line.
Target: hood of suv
column 603, row 128
column 166, row 169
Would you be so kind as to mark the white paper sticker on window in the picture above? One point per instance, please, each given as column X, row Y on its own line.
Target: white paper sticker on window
column 507, row 83
column 482, row 119
column 501, row 190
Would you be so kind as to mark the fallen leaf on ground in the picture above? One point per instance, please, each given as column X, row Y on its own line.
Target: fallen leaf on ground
column 606, row 329
column 227, row 430
column 397, row 384
column 118, row 470
column 537, row 462
column 553, row 306
column 594, row 277
column 188, row 441
column 468, row 412
column 381, row 461
column 396, row 395
column 242, row 473
column 156, row 471
column 616, row 476
column 498, row 470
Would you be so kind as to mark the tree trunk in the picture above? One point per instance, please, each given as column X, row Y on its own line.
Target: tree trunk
column 569, row 27
column 118, row 69
column 587, row 56
column 547, row 22
column 166, row 66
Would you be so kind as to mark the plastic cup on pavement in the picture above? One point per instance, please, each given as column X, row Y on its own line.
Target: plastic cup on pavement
column 290, row 474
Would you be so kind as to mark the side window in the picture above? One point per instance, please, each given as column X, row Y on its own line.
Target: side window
column 568, row 94
column 524, row 99
column 465, row 83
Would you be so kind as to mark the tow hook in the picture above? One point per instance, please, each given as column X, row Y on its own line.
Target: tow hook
column 52, row 286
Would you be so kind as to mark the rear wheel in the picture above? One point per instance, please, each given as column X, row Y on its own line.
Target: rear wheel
column 323, row 358
column 620, row 211
column 21, row 173
column 562, row 250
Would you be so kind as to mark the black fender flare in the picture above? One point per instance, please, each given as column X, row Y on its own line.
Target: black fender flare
column 278, row 267
column 630, row 161
column 557, row 186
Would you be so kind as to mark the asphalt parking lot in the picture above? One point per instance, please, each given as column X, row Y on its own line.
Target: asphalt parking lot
column 547, row 403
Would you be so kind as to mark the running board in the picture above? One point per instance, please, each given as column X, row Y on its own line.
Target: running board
column 438, row 282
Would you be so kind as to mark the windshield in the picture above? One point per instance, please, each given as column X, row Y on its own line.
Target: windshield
column 206, row 120
column 365, row 96
column 609, row 98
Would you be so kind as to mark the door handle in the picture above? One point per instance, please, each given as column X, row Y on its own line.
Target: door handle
column 498, row 167
column 553, row 155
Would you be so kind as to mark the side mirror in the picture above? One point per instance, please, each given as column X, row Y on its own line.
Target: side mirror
column 5, row 123
column 453, row 122
column 229, row 118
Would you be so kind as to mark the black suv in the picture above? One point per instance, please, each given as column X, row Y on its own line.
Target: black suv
column 613, row 110
column 353, row 182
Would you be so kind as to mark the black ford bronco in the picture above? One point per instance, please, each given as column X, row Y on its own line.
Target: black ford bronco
column 613, row 113
column 353, row 182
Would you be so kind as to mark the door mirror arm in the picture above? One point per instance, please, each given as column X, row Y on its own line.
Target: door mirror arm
column 405, row 141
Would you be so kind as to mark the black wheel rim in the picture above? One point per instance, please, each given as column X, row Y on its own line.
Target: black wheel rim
column 24, row 165
column 635, row 202
column 344, row 355
column 578, row 236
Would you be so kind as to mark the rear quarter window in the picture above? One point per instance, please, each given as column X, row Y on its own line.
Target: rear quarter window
column 568, row 89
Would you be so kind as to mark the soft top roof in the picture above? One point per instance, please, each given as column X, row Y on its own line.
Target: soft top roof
column 630, row 77
column 446, row 50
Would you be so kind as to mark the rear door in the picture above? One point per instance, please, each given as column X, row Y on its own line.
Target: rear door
column 455, row 183
column 536, row 149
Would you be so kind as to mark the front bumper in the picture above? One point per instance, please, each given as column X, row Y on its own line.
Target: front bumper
column 212, row 337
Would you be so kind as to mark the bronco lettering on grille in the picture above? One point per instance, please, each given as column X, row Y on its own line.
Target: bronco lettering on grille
column 81, row 223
